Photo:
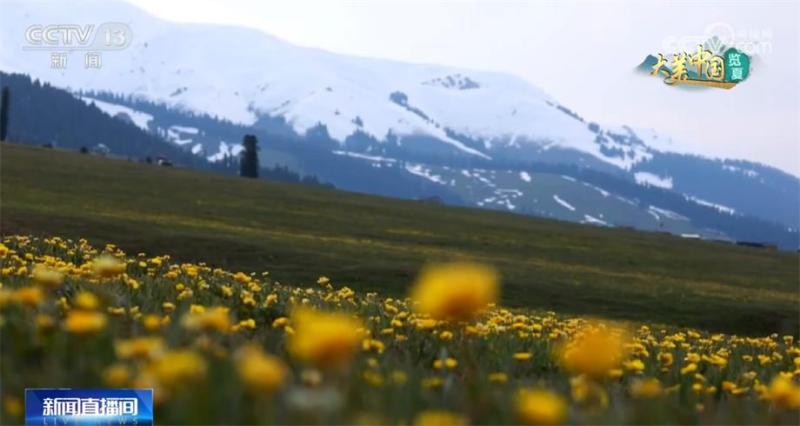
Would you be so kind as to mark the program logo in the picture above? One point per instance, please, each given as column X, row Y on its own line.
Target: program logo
column 703, row 68
column 60, row 40
column 88, row 406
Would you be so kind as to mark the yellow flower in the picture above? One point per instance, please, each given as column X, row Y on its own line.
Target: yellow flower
column 373, row 345
column 426, row 323
column 179, row 367
column 498, row 377
column 211, row 319
column 634, row 365
column 28, row 296
column 455, row 291
column 594, row 351
column 327, row 340
column 539, row 407
column 84, row 322
column 139, row 347
column 107, row 266
column 665, row 358
column 12, row 405
column 44, row 322
column 86, row 301
column 689, row 369
column 47, row 276
column 784, row 393
column 522, row 356
column 116, row 375
column 439, row 418
column 260, row 372
column 399, row 377
column 646, row 388
column 151, row 322
column 449, row 363
column 3, row 250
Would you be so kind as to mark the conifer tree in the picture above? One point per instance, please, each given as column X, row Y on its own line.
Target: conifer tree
column 248, row 165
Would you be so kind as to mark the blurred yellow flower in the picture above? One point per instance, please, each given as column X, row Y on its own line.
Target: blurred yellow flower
column 86, row 301
column 139, row 348
column 498, row 377
column 84, row 322
column 539, row 407
column 646, row 388
column 665, row 358
column 179, row 367
column 784, row 393
column 47, row 276
column 594, row 351
column 211, row 319
column 689, row 368
column 260, row 372
column 28, row 296
column 117, row 375
column 324, row 339
column 439, row 418
column 455, row 291
column 107, row 266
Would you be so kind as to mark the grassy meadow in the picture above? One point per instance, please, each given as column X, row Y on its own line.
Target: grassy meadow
column 377, row 244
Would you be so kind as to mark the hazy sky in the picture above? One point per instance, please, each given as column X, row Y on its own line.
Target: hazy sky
column 581, row 52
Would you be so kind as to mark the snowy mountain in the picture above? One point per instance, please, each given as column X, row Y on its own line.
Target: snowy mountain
column 425, row 114
column 241, row 74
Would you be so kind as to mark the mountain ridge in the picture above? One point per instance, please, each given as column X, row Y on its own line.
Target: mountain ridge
column 384, row 107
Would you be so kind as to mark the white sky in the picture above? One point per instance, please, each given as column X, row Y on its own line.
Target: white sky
column 581, row 52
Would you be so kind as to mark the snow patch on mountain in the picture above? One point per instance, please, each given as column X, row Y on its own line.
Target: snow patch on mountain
column 226, row 150
column 735, row 169
column 565, row 204
column 420, row 170
column 666, row 213
column 140, row 119
column 593, row 220
column 646, row 178
column 361, row 156
column 719, row 207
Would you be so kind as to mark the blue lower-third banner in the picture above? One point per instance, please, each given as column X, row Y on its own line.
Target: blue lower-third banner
column 88, row 406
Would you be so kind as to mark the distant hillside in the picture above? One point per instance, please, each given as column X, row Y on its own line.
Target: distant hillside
column 374, row 243
column 138, row 129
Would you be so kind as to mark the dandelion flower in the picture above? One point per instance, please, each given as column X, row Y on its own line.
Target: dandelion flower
column 47, row 276
column 783, row 393
column 539, row 407
column 260, row 372
column 646, row 388
column 439, row 418
column 179, row 367
column 455, row 291
column 212, row 319
column 107, row 266
column 326, row 340
column 594, row 351
column 84, row 322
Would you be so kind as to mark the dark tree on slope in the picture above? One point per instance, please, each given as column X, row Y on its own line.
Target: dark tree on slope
column 248, row 166
column 4, row 113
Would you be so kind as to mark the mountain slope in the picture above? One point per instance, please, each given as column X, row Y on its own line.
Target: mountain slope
column 373, row 243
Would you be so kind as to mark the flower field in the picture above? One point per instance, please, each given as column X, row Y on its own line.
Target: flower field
column 239, row 348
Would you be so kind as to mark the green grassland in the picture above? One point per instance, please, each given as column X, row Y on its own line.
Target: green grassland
column 371, row 243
